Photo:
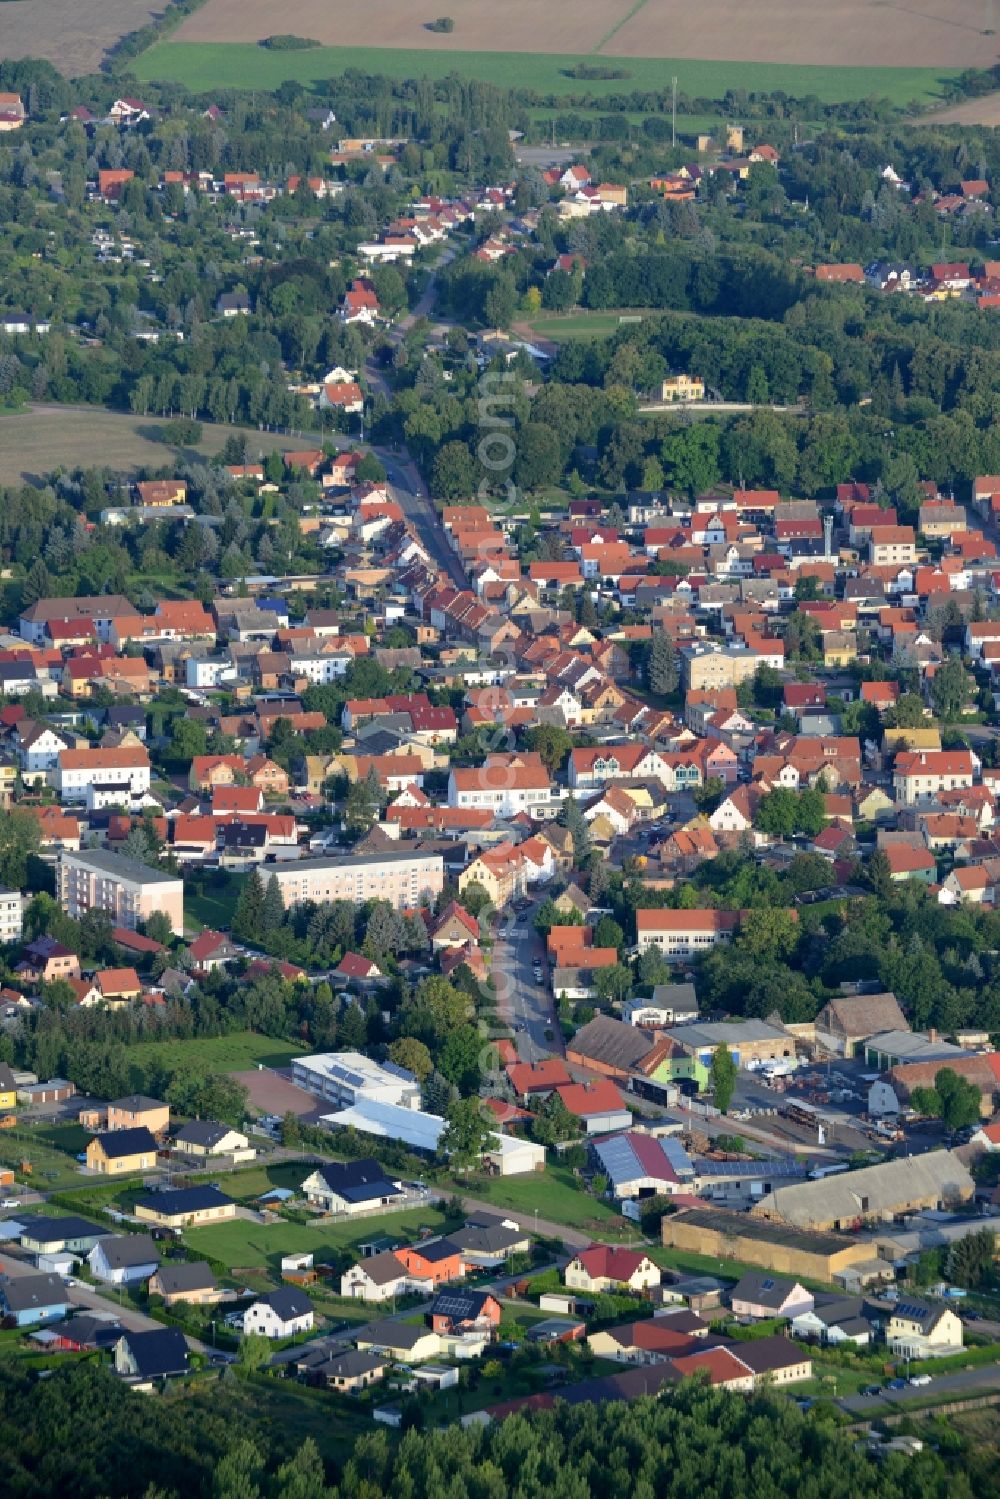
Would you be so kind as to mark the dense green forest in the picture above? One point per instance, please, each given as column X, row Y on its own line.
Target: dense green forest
column 80, row 1436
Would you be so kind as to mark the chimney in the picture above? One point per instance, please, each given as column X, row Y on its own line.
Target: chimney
column 932, row 1034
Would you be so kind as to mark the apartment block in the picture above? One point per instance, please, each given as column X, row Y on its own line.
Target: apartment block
column 11, row 915
column 404, row 879
column 707, row 667
column 124, row 772
column 920, row 775
column 130, row 892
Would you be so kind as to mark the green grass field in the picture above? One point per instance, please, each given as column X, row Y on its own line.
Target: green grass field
column 236, row 1053
column 242, row 1245
column 207, row 66
column 51, row 1149
column 554, row 1194
column 561, row 327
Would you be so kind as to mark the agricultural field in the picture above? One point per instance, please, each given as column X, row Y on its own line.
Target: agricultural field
column 239, row 1052
column 863, row 34
column 241, row 1245
column 73, row 34
column 206, row 66
column 41, row 438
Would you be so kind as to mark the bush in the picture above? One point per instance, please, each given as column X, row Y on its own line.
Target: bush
column 443, row 23
column 285, row 42
column 182, row 432
column 595, row 71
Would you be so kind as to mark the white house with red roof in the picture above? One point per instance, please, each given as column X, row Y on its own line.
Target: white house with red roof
column 598, row 1105
column 605, row 1268
column 361, row 303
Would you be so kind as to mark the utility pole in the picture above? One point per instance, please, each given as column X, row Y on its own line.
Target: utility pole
column 673, row 111
column 988, row 18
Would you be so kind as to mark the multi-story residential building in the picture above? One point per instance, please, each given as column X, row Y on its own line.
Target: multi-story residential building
column 682, row 934
column 99, row 611
column 38, row 747
column 503, row 788
column 712, row 666
column 124, row 770
column 919, row 775
column 130, row 892
column 402, row 878
column 11, row 914
column 890, row 545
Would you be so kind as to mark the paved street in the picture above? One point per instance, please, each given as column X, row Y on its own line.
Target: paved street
column 521, row 1000
column 88, row 1298
column 962, row 1382
column 401, row 471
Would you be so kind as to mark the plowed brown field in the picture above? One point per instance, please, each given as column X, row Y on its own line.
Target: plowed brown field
column 873, row 33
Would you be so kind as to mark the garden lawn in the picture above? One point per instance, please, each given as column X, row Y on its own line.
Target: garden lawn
column 690, row 1263
column 242, row 1245
column 205, row 1056
column 554, row 1194
column 248, row 1185
column 53, row 1163
column 213, row 904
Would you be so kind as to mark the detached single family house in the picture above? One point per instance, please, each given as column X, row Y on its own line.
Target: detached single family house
column 33, row 1298
column 354, row 1187
column 191, row 1281
column 124, row 1261
column 185, row 1207
column 603, row 1268
column 145, row 1357
column 761, row 1296
column 279, row 1314
column 121, row 1151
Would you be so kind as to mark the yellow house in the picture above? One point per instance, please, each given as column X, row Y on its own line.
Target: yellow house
column 839, row 648
column 120, row 1152
column 875, row 805
column 500, row 871
column 918, row 1331
column 185, row 1207
column 192, row 1282
column 683, row 387
column 136, row 1111
column 8, row 1090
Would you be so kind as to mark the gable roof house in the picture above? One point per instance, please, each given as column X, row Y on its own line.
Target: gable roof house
column 279, row 1314
column 382, row 1277
column 353, row 1187
column 30, row 1299
column 759, row 1296
column 604, row 1268
column 124, row 1260
column 143, row 1358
